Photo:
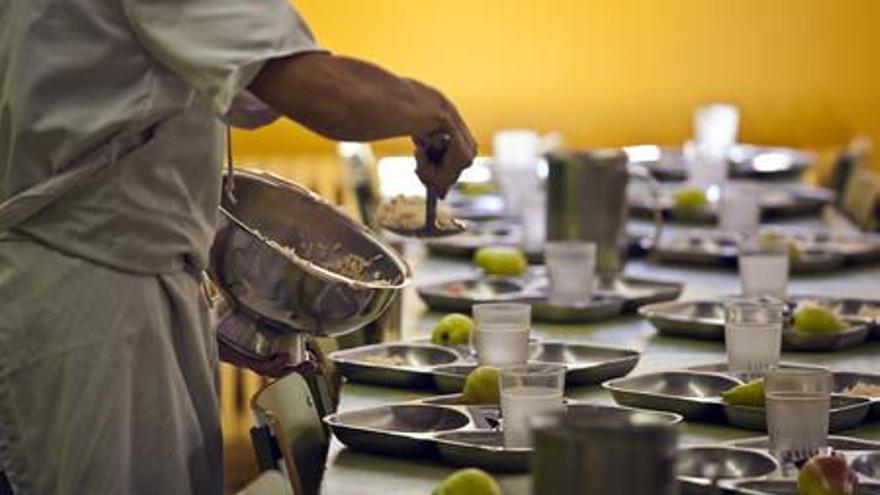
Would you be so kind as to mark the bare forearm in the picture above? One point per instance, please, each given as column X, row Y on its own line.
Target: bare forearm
column 347, row 99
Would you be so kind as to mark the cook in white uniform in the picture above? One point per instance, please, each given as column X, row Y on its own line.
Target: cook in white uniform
column 110, row 163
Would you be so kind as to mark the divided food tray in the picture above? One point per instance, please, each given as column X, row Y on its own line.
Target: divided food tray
column 508, row 233
column 751, row 161
column 862, row 455
column 461, row 435
column 428, row 366
column 818, row 251
column 696, row 395
column 777, row 201
column 630, row 293
column 705, row 320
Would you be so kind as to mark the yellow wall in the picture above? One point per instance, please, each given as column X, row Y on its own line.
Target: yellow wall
column 610, row 72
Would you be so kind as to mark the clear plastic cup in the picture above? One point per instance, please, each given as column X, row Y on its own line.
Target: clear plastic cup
column 516, row 156
column 716, row 126
column 534, row 222
column 740, row 210
column 705, row 166
column 528, row 391
column 570, row 268
column 501, row 333
column 764, row 265
column 798, row 408
column 753, row 335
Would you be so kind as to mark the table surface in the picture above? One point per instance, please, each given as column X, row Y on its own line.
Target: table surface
column 350, row 472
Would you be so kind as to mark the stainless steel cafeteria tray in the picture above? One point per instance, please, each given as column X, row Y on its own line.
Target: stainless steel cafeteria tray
column 696, row 395
column 509, row 234
column 442, row 429
column 705, row 320
column 862, row 455
column 630, row 293
column 817, row 251
column 783, row 487
column 777, row 201
column 845, row 383
column 428, row 366
column 480, row 207
column 668, row 163
column 702, row 468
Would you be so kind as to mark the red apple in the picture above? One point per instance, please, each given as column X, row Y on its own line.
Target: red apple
column 827, row 475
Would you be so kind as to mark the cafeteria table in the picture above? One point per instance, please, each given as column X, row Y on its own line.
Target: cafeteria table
column 351, row 472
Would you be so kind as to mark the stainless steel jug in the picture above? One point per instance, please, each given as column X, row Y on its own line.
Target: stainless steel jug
column 614, row 454
column 586, row 200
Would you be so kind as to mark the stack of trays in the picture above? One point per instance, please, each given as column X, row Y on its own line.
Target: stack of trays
column 705, row 320
column 428, row 366
column 696, row 395
column 631, row 293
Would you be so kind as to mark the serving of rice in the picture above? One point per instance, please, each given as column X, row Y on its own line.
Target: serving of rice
column 331, row 258
column 863, row 389
column 408, row 213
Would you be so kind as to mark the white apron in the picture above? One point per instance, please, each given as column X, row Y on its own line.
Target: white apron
column 110, row 158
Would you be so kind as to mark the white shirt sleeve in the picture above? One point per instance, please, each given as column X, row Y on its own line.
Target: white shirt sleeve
column 219, row 46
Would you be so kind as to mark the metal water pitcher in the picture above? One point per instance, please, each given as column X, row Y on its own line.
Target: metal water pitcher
column 587, row 201
column 614, row 454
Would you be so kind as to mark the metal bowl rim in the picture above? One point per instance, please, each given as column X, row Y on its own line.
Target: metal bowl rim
column 310, row 267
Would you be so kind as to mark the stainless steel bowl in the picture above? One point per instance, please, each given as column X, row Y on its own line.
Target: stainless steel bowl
column 282, row 289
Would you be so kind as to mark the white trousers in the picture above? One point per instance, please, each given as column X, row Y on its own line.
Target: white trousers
column 108, row 380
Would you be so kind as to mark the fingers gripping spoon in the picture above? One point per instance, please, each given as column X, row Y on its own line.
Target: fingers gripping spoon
column 435, row 148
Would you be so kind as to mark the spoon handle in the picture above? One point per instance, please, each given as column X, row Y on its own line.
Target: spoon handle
column 435, row 149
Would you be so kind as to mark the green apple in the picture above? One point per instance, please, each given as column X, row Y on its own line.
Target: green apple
column 482, row 386
column 476, row 188
column 827, row 475
column 468, row 481
column 813, row 318
column 501, row 260
column 688, row 201
column 453, row 329
column 749, row 394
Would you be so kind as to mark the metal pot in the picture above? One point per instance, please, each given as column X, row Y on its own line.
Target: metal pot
column 277, row 287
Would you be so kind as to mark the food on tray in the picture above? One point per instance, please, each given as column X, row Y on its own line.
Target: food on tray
column 868, row 311
column 749, row 394
column 827, row 475
column 501, row 260
column 863, row 390
column 482, row 386
column 813, row 318
column 408, row 213
column 385, row 360
column 453, row 329
column 468, row 481
column 689, row 201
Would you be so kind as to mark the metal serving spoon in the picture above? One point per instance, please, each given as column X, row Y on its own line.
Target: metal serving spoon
column 435, row 148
